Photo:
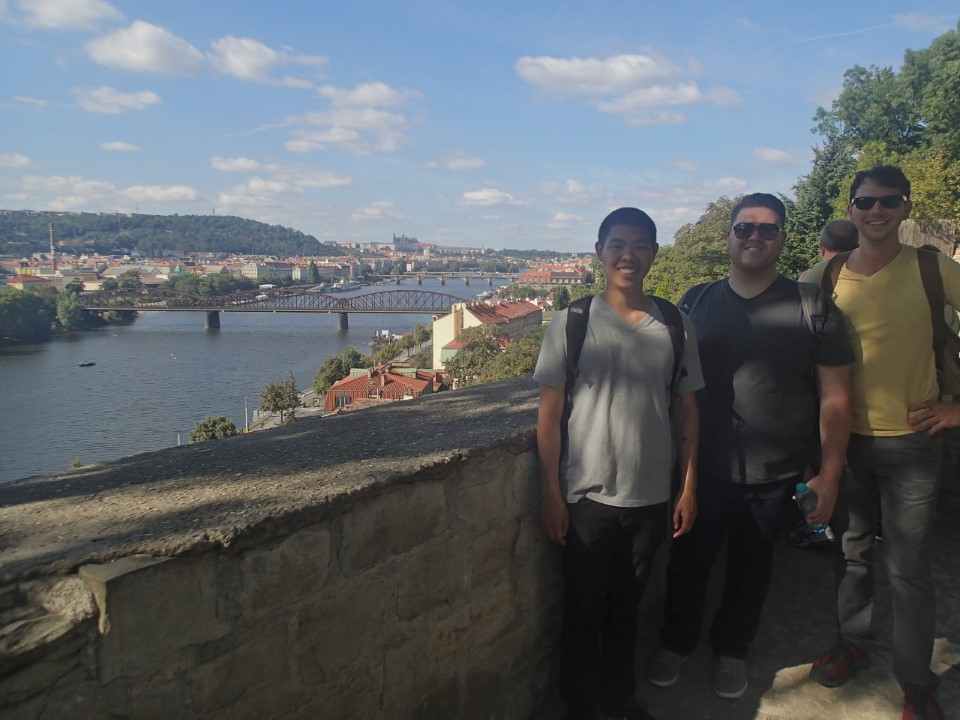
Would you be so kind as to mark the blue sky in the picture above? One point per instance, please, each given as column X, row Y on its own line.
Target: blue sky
column 499, row 124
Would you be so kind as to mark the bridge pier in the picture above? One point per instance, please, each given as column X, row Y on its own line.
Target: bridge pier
column 419, row 279
column 342, row 322
column 466, row 279
column 443, row 280
column 213, row 320
column 398, row 279
column 490, row 281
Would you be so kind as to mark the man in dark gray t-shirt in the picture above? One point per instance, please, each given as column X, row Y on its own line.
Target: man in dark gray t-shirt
column 776, row 382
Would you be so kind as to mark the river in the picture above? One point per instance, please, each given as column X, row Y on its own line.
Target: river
column 154, row 379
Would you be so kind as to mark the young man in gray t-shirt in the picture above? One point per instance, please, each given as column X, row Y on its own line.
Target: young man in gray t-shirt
column 605, row 496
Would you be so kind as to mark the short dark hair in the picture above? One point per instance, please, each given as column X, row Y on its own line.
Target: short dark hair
column 885, row 175
column 629, row 216
column 764, row 200
column 840, row 236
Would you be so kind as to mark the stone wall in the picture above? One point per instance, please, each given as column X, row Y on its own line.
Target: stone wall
column 384, row 564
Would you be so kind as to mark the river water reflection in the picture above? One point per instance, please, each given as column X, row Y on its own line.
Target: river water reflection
column 159, row 376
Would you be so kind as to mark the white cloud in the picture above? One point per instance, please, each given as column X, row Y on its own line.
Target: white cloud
column 488, row 197
column 378, row 211
column 239, row 164
column 373, row 94
column 36, row 102
column 14, row 160
column 684, row 164
column 311, row 178
column 359, row 130
column 73, row 184
column 564, row 221
column 921, row 23
column 745, row 23
column 590, row 76
column 108, row 101
column 774, row 156
column 159, row 193
column 725, row 184
column 251, row 60
column 19, row 196
column 67, row 14
column 120, row 146
column 632, row 86
column 461, row 162
column 143, row 47
column 572, row 192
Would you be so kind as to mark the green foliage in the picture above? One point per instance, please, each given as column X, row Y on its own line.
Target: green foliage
column 109, row 285
column 580, row 290
column 26, row 315
column 561, row 298
column 23, row 232
column 70, row 314
column 699, row 254
column 387, row 352
column 421, row 334
column 76, row 462
column 313, row 273
column 423, row 359
column 337, row 367
column 215, row 427
column 599, row 276
column 280, row 396
column 519, row 358
column 479, row 345
column 209, row 285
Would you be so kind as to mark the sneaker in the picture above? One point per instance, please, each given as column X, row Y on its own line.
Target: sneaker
column 839, row 664
column 804, row 535
column 920, row 703
column 665, row 667
column 633, row 710
column 730, row 677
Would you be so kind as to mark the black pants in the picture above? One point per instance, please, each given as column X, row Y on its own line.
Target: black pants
column 749, row 517
column 607, row 558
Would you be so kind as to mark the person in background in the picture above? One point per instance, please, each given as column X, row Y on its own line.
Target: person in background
column 605, row 496
column 836, row 237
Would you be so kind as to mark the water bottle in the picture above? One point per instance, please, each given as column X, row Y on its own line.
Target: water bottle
column 807, row 500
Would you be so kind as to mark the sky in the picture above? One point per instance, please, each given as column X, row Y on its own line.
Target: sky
column 502, row 124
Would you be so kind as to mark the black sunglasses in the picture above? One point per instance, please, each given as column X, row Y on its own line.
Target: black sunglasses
column 767, row 231
column 888, row 201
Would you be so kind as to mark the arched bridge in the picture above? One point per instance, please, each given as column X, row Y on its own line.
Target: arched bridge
column 272, row 300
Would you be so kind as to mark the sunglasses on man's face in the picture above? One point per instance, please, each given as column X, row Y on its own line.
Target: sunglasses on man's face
column 767, row 231
column 888, row 201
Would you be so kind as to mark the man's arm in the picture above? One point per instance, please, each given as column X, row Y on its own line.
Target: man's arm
column 688, row 437
column 553, row 506
column 835, row 422
column 933, row 416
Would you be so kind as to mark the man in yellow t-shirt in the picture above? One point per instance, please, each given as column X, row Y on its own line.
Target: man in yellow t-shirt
column 894, row 454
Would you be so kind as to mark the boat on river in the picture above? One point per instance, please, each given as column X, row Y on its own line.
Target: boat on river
column 86, row 363
column 341, row 286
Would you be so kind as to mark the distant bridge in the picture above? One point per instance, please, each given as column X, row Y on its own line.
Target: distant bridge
column 272, row 300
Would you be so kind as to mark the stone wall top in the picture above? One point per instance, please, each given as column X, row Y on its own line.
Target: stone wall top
column 242, row 490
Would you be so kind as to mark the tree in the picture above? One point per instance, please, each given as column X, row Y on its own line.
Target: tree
column 130, row 280
column 478, row 346
column 580, row 290
column 407, row 342
column 561, row 298
column 337, row 367
column 215, row 427
column 420, row 334
column 109, row 285
column 519, row 357
column 70, row 314
column 699, row 253
column 599, row 276
column 386, row 353
column 280, row 396
column 313, row 273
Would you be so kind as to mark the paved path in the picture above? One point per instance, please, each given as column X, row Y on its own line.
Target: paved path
column 796, row 628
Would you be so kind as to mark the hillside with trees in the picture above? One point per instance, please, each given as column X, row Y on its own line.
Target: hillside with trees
column 23, row 232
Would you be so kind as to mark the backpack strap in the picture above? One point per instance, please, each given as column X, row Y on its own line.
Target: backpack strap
column 578, row 315
column 814, row 308
column 674, row 323
column 933, row 289
column 691, row 298
column 831, row 273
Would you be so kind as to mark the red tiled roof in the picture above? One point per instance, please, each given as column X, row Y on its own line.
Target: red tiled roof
column 502, row 312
